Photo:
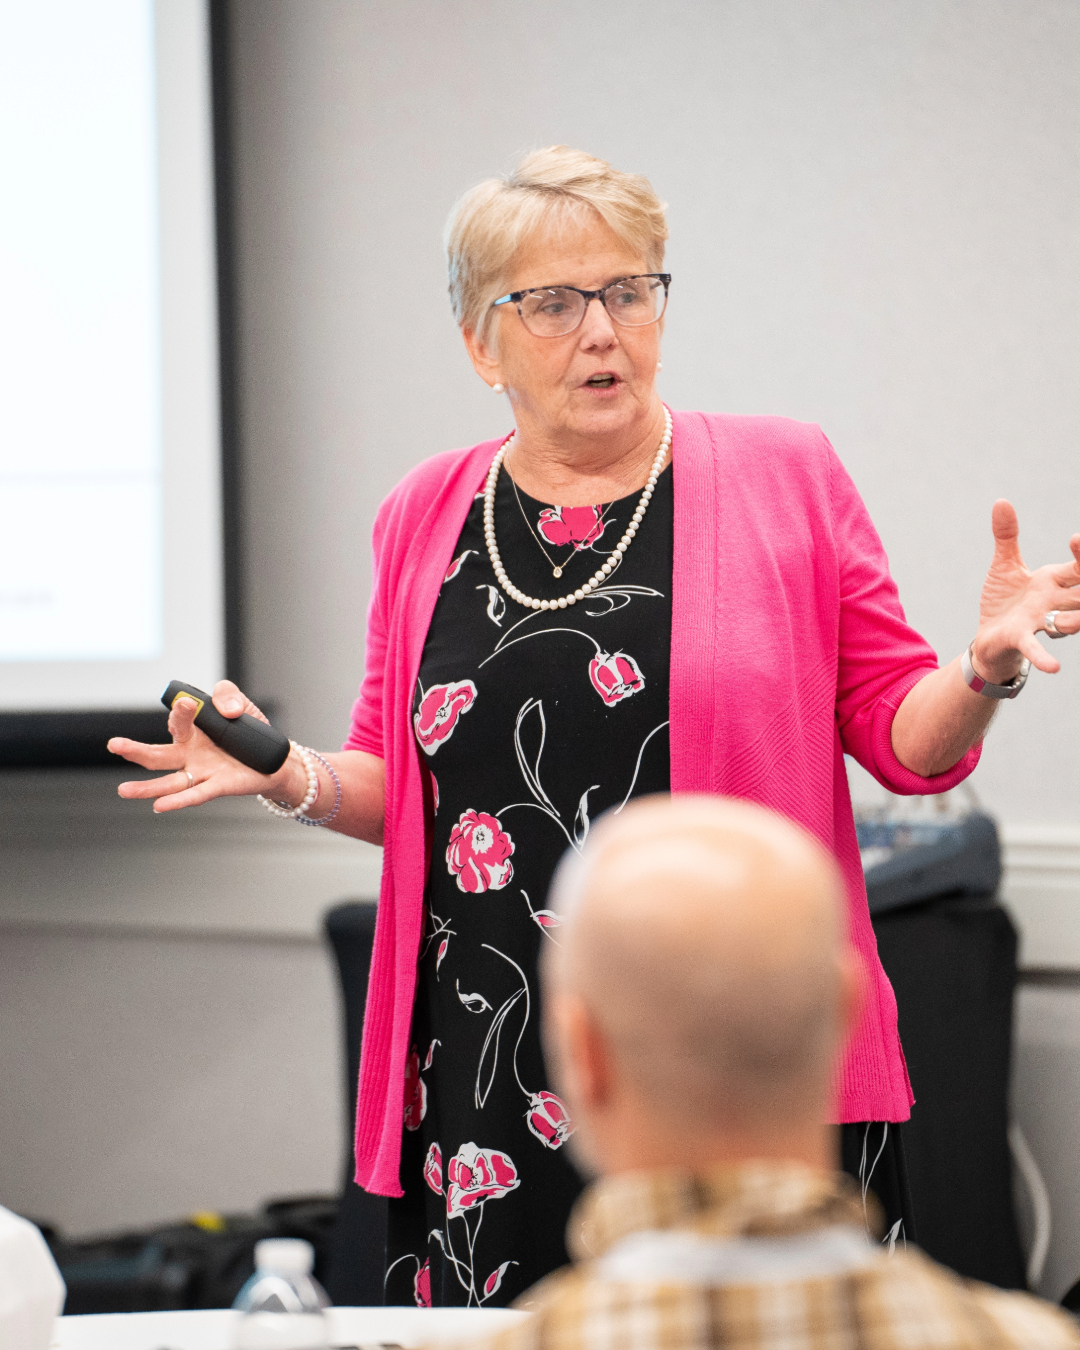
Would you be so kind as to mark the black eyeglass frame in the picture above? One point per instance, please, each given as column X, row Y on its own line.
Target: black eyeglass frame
column 515, row 298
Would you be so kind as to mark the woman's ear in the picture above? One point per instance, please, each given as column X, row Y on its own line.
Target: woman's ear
column 483, row 357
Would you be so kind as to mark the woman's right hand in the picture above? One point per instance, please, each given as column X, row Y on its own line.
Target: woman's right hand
column 197, row 770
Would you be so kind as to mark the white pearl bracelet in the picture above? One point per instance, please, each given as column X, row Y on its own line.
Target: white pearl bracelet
column 307, row 758
column 614, row 558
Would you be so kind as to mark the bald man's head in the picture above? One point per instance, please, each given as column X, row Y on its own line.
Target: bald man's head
column 706, row 939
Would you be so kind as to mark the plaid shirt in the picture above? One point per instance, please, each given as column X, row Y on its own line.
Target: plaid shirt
column 760, row 1257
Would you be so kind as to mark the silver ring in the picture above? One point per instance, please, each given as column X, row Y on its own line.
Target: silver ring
column 190, row 778
column 1050, row 622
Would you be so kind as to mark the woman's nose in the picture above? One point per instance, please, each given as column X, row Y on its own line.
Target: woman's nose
column 597, row 329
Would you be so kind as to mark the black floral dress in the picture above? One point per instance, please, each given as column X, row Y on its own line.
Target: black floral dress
column 531, row 724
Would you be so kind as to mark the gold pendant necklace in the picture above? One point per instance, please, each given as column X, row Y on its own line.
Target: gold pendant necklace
column 614, row 558
column 556, row 568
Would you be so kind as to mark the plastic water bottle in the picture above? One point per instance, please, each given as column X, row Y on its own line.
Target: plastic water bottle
column 281, row 1306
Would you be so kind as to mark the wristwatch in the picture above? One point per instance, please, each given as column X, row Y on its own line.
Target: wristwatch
column 987, row 689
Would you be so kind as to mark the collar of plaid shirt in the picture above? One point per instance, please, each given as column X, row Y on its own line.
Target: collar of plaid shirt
column 758, row 1199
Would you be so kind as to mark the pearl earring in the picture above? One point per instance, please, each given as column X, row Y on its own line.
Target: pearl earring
column 659, row 365
column 498, row 389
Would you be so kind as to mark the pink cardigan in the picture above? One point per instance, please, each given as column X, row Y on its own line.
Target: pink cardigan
column 788, row 647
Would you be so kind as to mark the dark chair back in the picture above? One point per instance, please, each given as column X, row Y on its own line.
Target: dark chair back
column 952, row 964
column 358, row 1248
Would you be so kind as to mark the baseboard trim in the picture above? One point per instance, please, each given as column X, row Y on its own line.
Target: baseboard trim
column 1041, row 889
column 1040, row 977
column 72, row 855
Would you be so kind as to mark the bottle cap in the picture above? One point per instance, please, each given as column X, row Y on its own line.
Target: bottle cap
column 284, row 1256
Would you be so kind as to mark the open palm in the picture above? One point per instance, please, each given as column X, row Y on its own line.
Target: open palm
column 1015, row 601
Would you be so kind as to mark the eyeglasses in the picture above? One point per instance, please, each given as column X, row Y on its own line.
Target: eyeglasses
column 553, row 311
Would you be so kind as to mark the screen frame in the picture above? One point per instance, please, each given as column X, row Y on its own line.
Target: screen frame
column 77, row 739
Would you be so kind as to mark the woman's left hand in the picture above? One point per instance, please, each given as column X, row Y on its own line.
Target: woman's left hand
column 941, row 718
column 1015, row 603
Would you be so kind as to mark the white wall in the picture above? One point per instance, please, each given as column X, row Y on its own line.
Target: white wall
column 170, row 1074
column 1046, row 1092
column 874, row 213
column 170, row 1029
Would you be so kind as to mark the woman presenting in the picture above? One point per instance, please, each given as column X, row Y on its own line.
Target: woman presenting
column 613, row 600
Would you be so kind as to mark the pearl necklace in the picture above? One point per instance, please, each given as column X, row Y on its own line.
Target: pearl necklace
column 614, row 558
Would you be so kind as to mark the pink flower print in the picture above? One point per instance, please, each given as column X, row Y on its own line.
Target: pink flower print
column 477, row 1175
column 455, row 566
column 548, row 1118
column 479, row 853
column 433, row 1168
column 545, row 919
column 422, row 1285
column 495, row 1279
column 577, row 525
column 439, row 711
column 415, row 1093
column 615, row 677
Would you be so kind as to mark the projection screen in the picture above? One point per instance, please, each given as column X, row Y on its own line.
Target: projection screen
column 110, row 459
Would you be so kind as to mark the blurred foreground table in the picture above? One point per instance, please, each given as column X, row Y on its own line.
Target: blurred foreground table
column 213, row 1329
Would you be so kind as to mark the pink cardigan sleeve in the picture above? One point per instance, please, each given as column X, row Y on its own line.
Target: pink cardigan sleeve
column 881, row 657
column 366, row 729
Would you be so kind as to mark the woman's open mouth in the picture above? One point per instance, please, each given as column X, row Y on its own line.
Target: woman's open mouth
column 601, row 381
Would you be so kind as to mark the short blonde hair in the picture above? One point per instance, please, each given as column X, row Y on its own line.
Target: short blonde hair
column 549, row 189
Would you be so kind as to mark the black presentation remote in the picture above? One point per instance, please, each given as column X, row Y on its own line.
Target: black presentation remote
column 252, row 742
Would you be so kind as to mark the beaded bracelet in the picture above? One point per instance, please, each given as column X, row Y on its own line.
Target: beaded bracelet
column 325, row 820
column 283, row 809
column 300, row 813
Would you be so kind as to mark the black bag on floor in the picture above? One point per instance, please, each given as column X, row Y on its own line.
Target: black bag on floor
column 201, row 1263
